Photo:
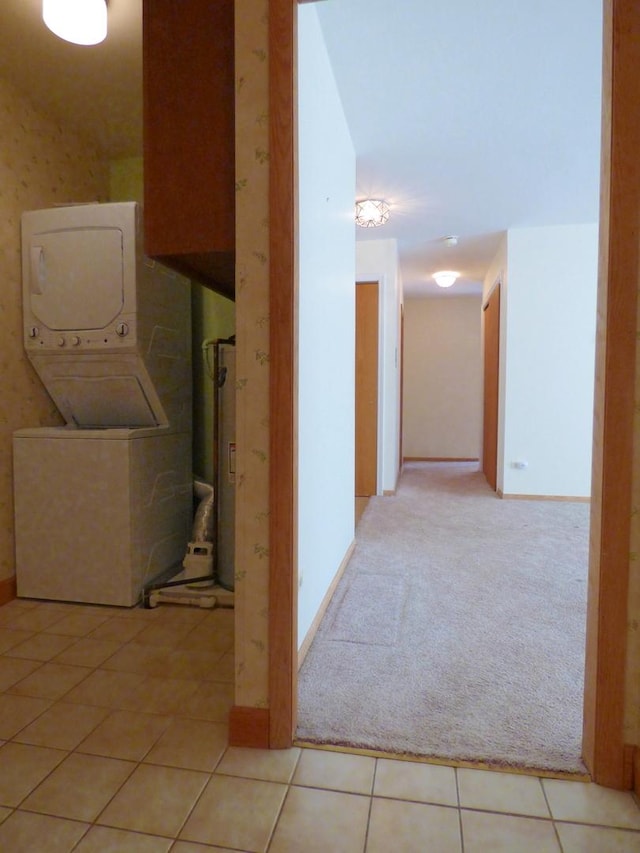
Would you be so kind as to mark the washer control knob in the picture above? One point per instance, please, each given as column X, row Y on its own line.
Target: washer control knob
column 61, row 341
column 34, row 331
column 122, row 329
column 75, row 341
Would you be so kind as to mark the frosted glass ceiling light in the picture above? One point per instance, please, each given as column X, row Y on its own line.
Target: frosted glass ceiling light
column 370, row 213
column 77, row 21
column 445, row 278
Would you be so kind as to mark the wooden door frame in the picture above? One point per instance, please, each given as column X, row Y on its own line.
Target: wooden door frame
column 604, row 750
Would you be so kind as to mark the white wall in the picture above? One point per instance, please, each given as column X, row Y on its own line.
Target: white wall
column 442, row 378
column 377, row 260
column 548, row 349
column 326, row 325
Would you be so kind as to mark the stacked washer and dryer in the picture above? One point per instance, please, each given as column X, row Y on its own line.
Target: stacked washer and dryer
column 103, row 504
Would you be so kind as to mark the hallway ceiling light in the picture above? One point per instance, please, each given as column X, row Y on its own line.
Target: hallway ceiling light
column 77, row 21
column 445, row 278
column 370, row 213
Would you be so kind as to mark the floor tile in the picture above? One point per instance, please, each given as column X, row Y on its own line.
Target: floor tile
column 105, row 689
column 502, row 792
column 413, row 828
column 78, row 624
column 125, row 734
column 160, row 695
column 62, row 726
column 88, row 652
column 500, row 833
column 163, row 634
column 80, row 787
column 225, row 669
column 13, row 670
column 35, row 618
column 209, row 636
column 40, row 647
column 411, row 780
column 144, row 660
column 103, row 839
column 588, row 803
column 194, row 847
column 235, row 813
column 597, row 839
column 210, row 701
column 4, row 813
column 16, row 712
column 10, row 637
column 317, row 821
column 117, row 630
column 337, row 771
column 195, row 663
column 155, row 799
column 190, row 744
column 50, row 681
column 22, row 768
column 27, row 832
column 271, row 765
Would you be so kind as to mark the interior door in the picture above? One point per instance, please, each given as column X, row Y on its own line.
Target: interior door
column 491, row 367
column 366, row 450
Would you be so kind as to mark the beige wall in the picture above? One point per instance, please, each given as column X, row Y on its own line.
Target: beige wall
column 41, row 164
column 252, row 354
column 442, row 377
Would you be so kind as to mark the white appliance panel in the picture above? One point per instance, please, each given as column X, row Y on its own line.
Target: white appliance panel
column 99, row 514
column 76, row 278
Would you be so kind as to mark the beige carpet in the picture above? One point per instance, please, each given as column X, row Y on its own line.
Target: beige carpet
column 457, row 630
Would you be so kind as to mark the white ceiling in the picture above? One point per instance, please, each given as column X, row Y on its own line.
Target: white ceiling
column 468, row 117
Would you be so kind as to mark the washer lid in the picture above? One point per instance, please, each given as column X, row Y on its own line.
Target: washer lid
column 75, row 277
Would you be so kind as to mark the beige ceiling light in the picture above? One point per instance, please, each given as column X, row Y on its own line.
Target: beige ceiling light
column 370, row 213
column 445, row 278
column 77, row 21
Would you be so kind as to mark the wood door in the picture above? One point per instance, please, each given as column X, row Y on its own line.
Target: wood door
column 491, row 368
column 366, row 479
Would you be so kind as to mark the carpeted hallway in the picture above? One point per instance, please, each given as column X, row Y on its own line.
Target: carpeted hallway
column 457, row 630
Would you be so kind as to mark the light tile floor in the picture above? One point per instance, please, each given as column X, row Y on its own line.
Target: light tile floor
column 113, row 737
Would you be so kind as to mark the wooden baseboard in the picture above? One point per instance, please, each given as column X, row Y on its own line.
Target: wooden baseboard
column 568, row 498
column 306, row 643
column 249, row 727
column 7, row 590
column 388, row 493
column 441, row 459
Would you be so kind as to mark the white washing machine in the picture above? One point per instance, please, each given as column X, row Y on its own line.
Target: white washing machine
column 104, row 504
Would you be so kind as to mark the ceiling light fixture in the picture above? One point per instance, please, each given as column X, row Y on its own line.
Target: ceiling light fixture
column 370, row 213
column 77, row 21
column 450, row 241
column 445, row 278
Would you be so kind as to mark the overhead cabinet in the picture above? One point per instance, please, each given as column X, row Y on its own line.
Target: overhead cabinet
column 189, row 138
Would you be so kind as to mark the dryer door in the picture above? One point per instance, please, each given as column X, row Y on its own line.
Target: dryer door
column 76, row 278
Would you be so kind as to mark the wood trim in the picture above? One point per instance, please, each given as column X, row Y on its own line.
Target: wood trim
column 282, row 392
column 249, row 727
column 313, row 628
column 8, row 590
column 567, row 498
column 603, row 747
column 635, row 785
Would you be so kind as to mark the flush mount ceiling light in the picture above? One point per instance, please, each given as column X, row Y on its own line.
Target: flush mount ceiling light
column 77, row 21
column 445, row 278
column 370, row 213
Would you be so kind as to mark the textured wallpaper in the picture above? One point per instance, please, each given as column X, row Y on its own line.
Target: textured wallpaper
column 252, row 354
column 41, row 164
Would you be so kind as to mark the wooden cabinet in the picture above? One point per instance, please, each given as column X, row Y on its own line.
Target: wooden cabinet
column 189, row 138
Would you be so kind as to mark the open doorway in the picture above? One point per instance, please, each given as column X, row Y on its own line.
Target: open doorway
column 605, row 667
